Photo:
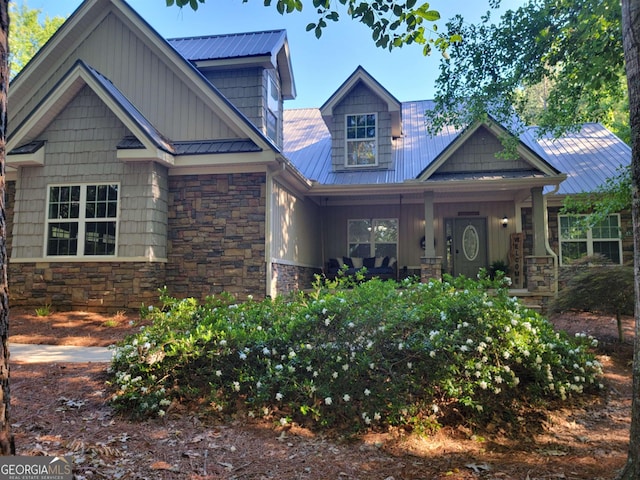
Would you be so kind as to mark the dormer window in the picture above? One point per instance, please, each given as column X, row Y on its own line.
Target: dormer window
column 362, row 140
column 273, row 108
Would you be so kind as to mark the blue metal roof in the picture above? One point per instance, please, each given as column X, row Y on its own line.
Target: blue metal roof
column 237, row 45
column 588, row 157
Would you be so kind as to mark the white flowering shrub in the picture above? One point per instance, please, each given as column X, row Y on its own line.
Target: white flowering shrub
column 372, row 355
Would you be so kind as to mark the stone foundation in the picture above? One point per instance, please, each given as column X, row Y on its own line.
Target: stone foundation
column 97, row 286
column 291, row 278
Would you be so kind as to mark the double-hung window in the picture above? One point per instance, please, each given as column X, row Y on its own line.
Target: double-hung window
column 377, row 237
column 82, row 220
column 577, row 241
column 362, row 140
column 273, row 108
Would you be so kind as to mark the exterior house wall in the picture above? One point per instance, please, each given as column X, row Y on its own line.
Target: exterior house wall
column 296, row 248
column 81, row 148
column 244, row 88
column 361, row 100
column 478, row 154
column 553, row 212
column 411, row 227
column 143, row 78
column 217, row 235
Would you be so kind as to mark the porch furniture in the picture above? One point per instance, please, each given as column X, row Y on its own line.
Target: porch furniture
column 384, row 268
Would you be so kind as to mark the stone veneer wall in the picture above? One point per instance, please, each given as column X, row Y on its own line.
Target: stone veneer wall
column 100, row 286
column 216, row 235
column 291, row 278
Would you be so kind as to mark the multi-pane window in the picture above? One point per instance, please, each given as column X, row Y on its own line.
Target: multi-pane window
column 273, row 108
column 361, row 140
column 377, row 237
column 82, row 220
column 577, row 241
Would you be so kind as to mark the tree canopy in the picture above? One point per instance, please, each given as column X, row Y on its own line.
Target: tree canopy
column 27, row 33
column 392, row 23
column 573, row 48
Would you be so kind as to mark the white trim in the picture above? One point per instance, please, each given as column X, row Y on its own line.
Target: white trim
column 90, row 260
column 589, row 239
column 81, row 221
column 348, row 140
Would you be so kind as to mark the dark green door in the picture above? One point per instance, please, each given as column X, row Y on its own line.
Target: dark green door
column 469, row 246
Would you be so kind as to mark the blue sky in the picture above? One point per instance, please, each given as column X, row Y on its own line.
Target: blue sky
column 319, row 65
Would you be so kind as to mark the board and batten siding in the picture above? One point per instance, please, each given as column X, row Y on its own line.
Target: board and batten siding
column 80, row 149
column 295, row 229
column 137, row 71
column 411, row 227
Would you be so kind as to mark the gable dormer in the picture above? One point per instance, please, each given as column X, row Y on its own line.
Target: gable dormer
column 363, row 119
column 252, row 70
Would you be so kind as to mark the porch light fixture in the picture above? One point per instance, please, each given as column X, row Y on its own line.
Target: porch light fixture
column 504, row 221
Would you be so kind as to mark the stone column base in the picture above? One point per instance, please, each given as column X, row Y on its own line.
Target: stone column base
column 430, row 269
column 541, row 277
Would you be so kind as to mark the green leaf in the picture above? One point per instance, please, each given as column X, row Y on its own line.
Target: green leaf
column 310, row 26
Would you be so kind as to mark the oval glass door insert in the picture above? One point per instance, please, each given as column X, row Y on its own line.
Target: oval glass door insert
column 470, row 242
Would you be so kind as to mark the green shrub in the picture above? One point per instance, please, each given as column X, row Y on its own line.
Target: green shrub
column 594, row 284
column 372, row 355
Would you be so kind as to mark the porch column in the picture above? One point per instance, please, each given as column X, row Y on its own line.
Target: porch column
column 430, row 265
column 539, row 231
column 429, row 235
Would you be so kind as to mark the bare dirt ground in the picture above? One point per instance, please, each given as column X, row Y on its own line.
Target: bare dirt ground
column 62, row 409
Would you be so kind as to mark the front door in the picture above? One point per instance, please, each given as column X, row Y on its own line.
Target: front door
column 468, row 245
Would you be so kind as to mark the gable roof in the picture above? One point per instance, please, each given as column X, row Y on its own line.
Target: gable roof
column 86, row 18
column 587, row 157
column 79, row 76
column 360, row 75
column 268, row 49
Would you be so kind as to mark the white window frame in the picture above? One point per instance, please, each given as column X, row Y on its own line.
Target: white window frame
column 357, row 139
column 373, row 222
column 588, row 238
column 82, row 220
column 273, row 106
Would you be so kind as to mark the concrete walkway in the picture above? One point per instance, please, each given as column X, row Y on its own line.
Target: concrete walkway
column 29, row 353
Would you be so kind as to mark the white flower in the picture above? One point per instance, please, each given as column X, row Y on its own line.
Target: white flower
column 161, row 413
column 279, row 396
column 328, row 401
column 324, row 311
column 334, row 374
column 409, row 365
column 327, row 321
column 376, row 416
column 483, row 385
column 351, row 325
column 400, row 346
column 236, row 386
column 345, row 367
column 432, row 354
column 283, row 421
column 218, row 373
column 367, row 392
column 266, row 351
column 223, row 342
column 242, row 355
column 346, row 397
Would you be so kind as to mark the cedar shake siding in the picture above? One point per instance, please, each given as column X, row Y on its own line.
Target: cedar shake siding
column 217, row 235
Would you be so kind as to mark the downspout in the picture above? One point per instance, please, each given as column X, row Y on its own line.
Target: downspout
column 556, row 267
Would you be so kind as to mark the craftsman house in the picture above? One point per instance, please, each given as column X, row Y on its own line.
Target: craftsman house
column 173, row 163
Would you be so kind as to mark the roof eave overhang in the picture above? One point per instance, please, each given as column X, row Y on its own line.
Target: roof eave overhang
column 446, row 186
column 76, row 79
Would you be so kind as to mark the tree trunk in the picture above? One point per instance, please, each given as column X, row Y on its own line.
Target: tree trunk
column 6, row 439
column 631, row 37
